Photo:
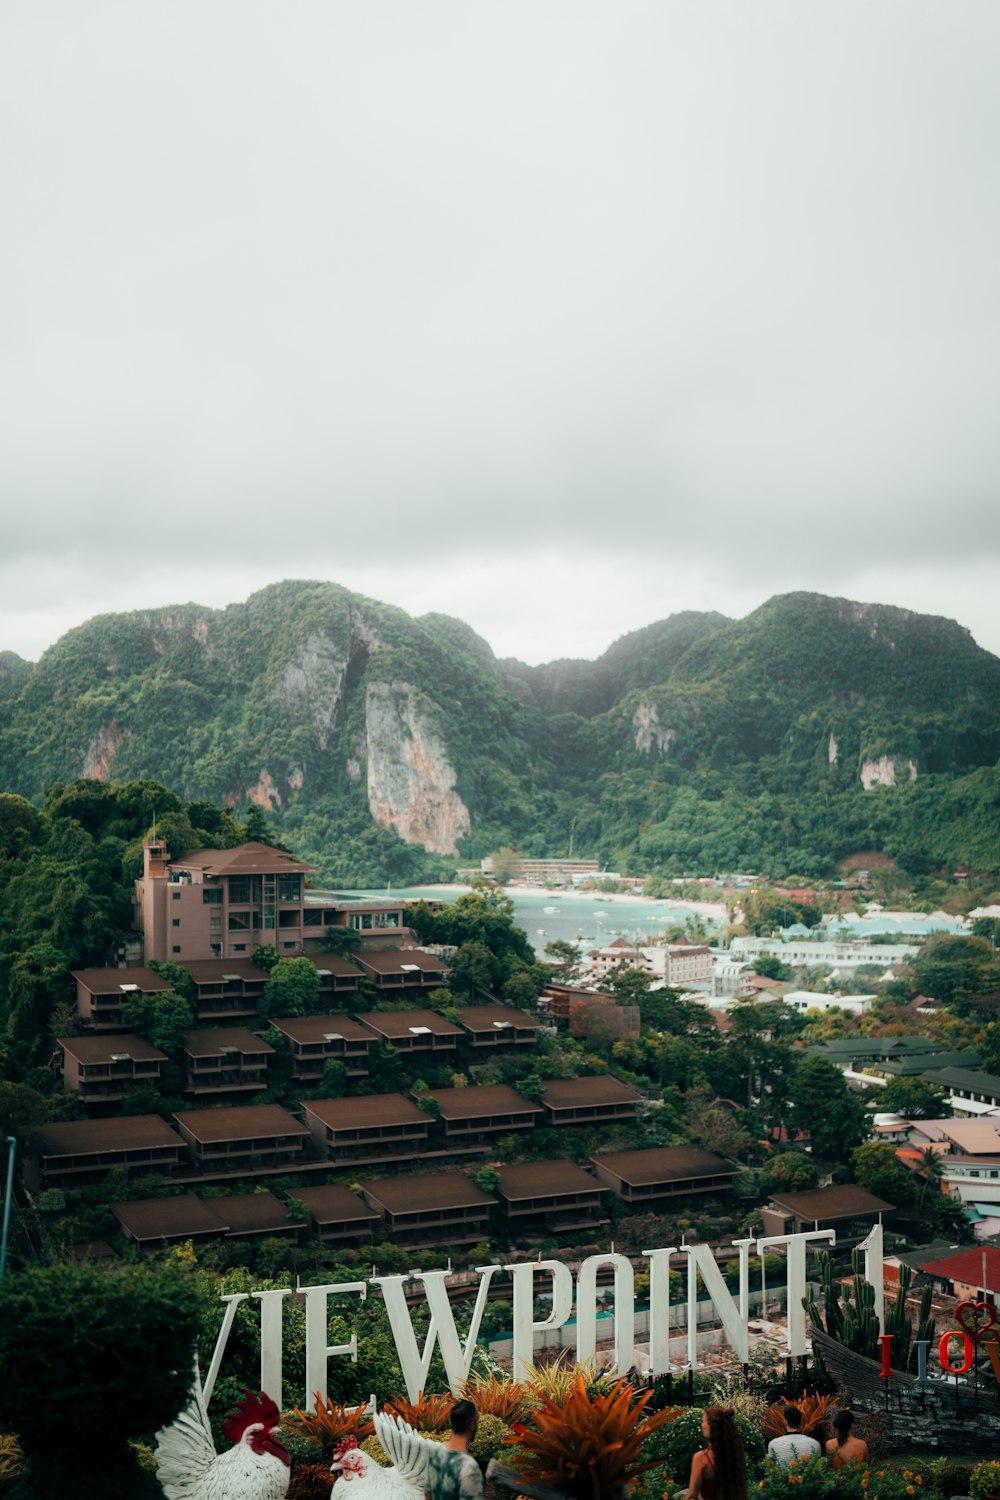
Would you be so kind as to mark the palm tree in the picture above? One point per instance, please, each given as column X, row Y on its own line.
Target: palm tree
column 929, row 1167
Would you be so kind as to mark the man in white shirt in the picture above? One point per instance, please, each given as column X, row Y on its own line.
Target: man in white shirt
column 793, row 1443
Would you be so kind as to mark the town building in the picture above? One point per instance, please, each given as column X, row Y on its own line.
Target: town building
column 596, row 1099
column 432, row 1208
column 100, row 993
column 317, row 1040
column 83, row 1151
column 556, row 1197
column 336, row 1215
column 226, row 989
column 971, row 1275
column 156, row 1223
column 498, row 1028
column 105, row 1069
column 403, row 970
column 478, row 1115
column 652, row 1178
column 223, row 903
column 803, row 1000
column 413, row 1032
column 849, row 1210
column 242, row 1140
column 225, row 1060
column 970, row 1092
column 368, row 1129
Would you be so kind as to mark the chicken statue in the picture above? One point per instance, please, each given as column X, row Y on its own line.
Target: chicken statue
column 256, row 1467
column 406, row 1480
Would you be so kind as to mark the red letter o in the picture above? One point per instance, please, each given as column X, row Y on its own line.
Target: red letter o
column 956, row 1333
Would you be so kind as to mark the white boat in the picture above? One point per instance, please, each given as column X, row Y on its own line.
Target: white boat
column 550, row 911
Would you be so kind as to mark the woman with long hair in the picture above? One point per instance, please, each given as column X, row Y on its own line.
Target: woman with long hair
column 843, row 1449
column 719, row 1470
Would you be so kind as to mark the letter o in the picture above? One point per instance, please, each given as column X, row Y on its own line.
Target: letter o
column 967, row 1352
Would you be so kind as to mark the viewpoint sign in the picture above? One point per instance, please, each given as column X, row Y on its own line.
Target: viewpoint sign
column 569, row 1296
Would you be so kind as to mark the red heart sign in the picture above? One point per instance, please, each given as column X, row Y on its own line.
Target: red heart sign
column 974, row 1318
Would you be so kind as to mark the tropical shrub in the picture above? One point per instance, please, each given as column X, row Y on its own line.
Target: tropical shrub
column 814, row 1411
column 495, row 1397
column 328, row 1424
column 985, row 1481
column 11, row 1457
column 427, row 1414
column 589, row 1444
column 491, row 1438
column 811, row 1479
column 675, row 1446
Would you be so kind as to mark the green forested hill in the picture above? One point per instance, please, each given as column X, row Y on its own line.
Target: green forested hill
column 382, row 744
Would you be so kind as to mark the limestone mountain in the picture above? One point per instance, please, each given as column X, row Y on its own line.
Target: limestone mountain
column 381, row 744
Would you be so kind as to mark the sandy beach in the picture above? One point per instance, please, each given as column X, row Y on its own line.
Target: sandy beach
column 714, row 909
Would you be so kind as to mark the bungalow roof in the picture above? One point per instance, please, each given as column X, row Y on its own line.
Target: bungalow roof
column 103, row 1048
column 251, row 1213
column 533, row 1179
column 490, row 1018
column 844, row 1202
column 401, row 961
column 365, row 1110
column 979, row 1268
column 217, row 1041
column 113, row 981
column 239, row 1122
column 599, row 1088
column 481, row 1101
column 169, row 1218
column 334, row 1204
column 312, row 1029
column 335, row 964
column 426, row 1192
column 400, row 1024
column 127, row 1133
column 664, row 1164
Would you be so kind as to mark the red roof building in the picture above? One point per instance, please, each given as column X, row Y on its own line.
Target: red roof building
column 972, row 1275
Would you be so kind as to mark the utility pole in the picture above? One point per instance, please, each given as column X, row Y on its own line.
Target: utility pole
column 7, row 1201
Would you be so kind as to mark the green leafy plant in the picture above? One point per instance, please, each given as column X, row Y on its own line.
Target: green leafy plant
column 675, row 1446
column 985, row 1481
column 328, row 1423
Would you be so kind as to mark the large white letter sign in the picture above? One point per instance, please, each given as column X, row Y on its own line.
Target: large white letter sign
column 586, row 1309
column 732, row 1317
column 270, row 1343
column 233, row 1300
column 441, row 1329
column 523, row 1276
column 659, row 1310
column 796, row 1273
column 875, row 1269
column 318, row 1350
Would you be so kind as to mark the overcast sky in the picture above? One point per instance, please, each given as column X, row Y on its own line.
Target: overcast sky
column 555, row 315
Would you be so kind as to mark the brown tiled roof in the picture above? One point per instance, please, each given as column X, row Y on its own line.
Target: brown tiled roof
column 832, row 1203
column 403, row 1023
column 128, row 1133
column 536, row 1178
column 246, row 859
column 306, row 1029
column 98, row 1049
column 165, row 1218
column 491, row 1018
column 425, row 1192
column 663, row 1164
column 334, row 1204
column 214, row 970
column 251, row 1213
column 115, row 981
column 602, row 1088
column 239, row 1122
column 365, row 1110
column 482, row 1100
column 400, row 960
column 213, row 1041
column 335, row 963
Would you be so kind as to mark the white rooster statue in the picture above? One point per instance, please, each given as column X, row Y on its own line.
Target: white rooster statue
column 406, row 1480
column 257, row 1467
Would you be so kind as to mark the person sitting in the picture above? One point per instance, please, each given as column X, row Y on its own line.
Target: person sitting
column 719, row 1470
column 792, row 1444
column 843, row 1449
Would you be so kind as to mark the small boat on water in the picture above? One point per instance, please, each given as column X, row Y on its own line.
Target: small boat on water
column 550, row 911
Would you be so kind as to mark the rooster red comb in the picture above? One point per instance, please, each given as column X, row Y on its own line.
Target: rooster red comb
column 250, row 1410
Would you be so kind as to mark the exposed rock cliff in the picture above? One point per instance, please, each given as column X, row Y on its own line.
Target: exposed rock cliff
column 411, row 781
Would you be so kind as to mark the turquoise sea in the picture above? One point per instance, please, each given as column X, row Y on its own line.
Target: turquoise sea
column 546, row 917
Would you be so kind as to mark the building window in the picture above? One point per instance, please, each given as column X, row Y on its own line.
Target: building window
column 175, row 921
column 239, row 888
column 237, row 948
column 239, row 921
column 175, row 895
column 211, row 894
column 176, row 948
column 289, row 887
